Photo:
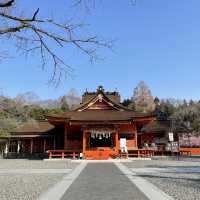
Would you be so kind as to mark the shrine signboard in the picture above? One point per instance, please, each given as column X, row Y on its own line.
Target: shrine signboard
column 171, row 136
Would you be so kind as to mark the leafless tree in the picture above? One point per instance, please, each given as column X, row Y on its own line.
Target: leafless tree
column 32, row 34
column 142, row 98
column 72, row 98
column 27, row 98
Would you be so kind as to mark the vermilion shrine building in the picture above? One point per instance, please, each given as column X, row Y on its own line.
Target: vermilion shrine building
column 95, row 128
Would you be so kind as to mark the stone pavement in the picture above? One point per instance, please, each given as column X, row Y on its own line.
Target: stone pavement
column 102, row 181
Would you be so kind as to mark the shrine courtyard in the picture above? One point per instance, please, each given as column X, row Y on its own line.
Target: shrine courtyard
column 111, row 179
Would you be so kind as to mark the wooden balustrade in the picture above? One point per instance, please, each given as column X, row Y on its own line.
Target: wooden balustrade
column 145, row 153
column 64, row 153
column 185, row 152
column 138, row 153
column 151, row 152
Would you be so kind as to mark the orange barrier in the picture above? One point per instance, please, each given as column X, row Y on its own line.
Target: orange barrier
column 194, row 151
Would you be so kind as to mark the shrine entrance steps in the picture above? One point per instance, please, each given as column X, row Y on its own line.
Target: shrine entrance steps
column 100, row 154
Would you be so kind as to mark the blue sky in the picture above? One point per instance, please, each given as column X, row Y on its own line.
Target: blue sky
column 156, row 41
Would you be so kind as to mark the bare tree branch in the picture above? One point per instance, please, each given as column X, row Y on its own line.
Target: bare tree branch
column 7, row 4
column 13, row 29
column 21, row 19
column 35, row 14
column 32, row 34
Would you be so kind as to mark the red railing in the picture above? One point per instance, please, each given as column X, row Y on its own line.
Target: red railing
column 64, row 153
column 138, row 153
column 192, row 151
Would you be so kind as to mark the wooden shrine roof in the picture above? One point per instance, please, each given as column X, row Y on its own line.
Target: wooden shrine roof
column 99, row 108
column 34, row 127
column 164, row 126
column 156, row 126
column 99, row 115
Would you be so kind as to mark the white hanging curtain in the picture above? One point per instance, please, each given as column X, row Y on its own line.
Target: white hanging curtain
column 100, row 134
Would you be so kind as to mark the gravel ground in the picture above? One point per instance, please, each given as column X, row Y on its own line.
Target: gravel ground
column 179, row 179
column 35, row 164
column 29, row 186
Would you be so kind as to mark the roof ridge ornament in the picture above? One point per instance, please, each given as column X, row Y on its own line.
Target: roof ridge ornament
column 100, row 97
column 100, row 88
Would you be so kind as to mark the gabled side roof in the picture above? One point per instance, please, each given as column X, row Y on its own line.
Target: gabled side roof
column 38, row 127
column 164, row 126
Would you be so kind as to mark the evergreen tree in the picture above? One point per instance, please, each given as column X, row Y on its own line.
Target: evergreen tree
column 126, row 102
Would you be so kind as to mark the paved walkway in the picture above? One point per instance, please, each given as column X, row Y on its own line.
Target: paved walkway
column 103, row 181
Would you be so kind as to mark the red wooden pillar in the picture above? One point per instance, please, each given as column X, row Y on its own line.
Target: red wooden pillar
column 117, row 141
column 136, row 138
column 65, row 136
column 54, row 143
column 31, row 149
column 84, row 140
column 44, row 145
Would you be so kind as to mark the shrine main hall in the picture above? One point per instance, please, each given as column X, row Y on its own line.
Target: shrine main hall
column 99, row 128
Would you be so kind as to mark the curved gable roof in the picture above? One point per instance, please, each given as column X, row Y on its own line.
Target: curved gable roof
column 102, row 98
column 99, row 109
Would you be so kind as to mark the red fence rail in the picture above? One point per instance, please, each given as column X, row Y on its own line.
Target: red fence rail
column 193, row 151
column 64, row 153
